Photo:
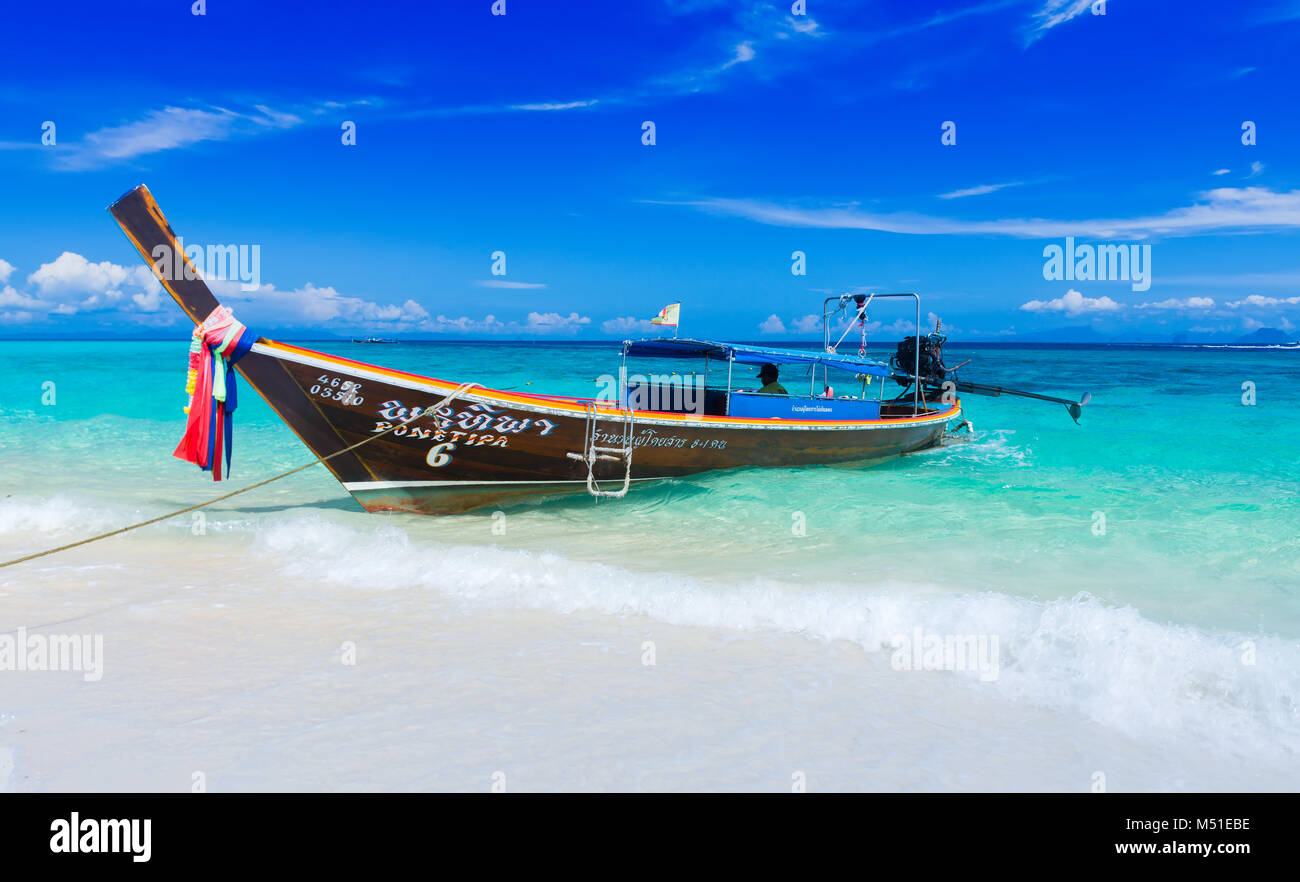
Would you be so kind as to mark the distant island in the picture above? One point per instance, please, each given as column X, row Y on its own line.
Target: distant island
column 1265, row 337
column 1090, row 335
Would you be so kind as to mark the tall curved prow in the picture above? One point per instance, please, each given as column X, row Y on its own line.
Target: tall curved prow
column 144, row 224
column 142, row 220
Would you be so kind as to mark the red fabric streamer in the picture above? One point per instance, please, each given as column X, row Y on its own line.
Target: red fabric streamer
column 195, row 445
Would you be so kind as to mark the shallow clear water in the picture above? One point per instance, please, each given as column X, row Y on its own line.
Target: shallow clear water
column 1128, row 565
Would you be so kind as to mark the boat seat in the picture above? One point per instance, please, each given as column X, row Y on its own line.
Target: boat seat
column 801, row 407
column 670, row 398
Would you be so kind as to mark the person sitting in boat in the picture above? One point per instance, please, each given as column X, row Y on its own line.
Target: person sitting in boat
column 768, row 374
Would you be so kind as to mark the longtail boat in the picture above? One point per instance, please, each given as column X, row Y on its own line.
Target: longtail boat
column 440, row 447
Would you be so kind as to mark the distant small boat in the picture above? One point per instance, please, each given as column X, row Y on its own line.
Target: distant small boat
column 371, row 340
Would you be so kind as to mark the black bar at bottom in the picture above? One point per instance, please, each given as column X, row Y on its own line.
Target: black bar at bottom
column 332, row 832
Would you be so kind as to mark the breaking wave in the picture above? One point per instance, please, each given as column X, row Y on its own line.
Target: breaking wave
column 1108, row 663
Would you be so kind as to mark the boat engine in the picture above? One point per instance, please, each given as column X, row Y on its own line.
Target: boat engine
column 931, row 370
column 937, row 377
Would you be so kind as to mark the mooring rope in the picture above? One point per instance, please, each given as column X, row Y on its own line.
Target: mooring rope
column 462, row 389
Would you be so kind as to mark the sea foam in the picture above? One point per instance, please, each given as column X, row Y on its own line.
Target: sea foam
column 1230, row 692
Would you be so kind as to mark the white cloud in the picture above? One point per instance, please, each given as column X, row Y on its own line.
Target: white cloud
column 166, row 129
column 1072, row 304
column 274, row 118
column 174, row 127
column 502, row 283
column 898, row 326
column 148, row 301
column 1287, row 279
column 1221, row 171
column 489, row 324
column 554, row 105
column 806, row 324
column 16, row 317
column 554, row 323
column 626, row 325
column 1260, row 300
column 310, row 305
column 1056, row 12
column 161, row 130
column 1174, row 303
column 937, row 20
column 535, row 323
column 755, row 33
column 981, row 190
column 11, row 298
column 1256, row 169
column 490, row 109
column 6, row 270
column 812, row 324
column 804, row 24
column 313, row 306
column 742, row 53
column 71, row 285
column 847, row 321
column 1223, row 208
column 70, row 273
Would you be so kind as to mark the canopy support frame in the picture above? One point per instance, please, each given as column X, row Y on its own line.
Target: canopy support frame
column 842, row 300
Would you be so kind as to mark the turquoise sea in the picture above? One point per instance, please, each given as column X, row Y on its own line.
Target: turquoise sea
column 1141, row 569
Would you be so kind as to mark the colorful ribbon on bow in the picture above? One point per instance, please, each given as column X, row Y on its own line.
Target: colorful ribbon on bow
column 217, row 344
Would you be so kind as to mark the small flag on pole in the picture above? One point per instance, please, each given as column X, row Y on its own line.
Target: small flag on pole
column 667, row 315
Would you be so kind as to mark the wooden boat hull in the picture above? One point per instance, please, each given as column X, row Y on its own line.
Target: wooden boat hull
column 488, row 448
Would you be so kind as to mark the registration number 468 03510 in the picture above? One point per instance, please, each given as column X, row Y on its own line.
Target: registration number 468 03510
column 337, row 389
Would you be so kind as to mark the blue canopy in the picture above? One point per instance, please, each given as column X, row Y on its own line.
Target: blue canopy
column 670, row 347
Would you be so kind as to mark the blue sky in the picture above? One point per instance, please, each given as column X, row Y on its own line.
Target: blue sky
column 775, row 132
